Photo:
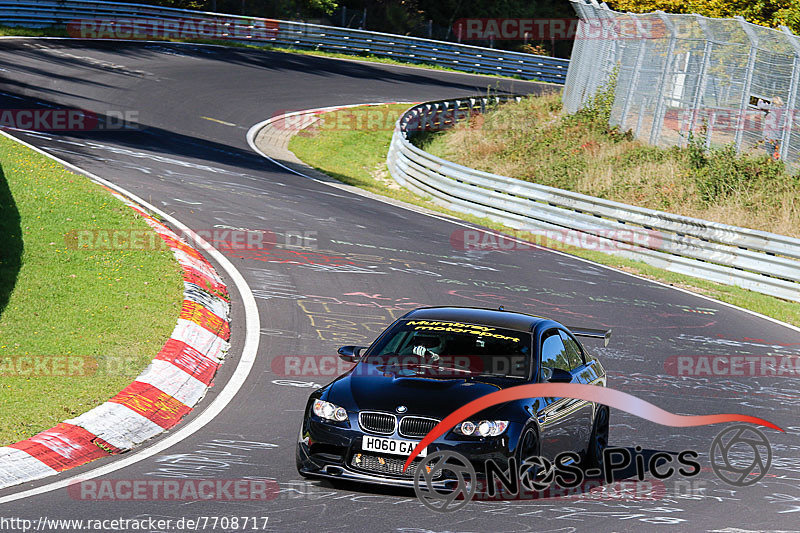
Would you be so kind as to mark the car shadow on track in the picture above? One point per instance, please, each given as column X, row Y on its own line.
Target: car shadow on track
column 265, row 59
column 145, row 137
column 143, row 141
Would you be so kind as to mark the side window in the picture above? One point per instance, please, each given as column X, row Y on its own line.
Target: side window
column 554, row 353
column 573, row 350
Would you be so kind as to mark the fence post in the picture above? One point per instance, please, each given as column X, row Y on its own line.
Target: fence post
column 701, row 85
column 577, row 73
column 607, row 54
column 748, row 81
column 660, row 111
column 643, row 40
column 593, row 53
column 637, row 67
column 791, row 103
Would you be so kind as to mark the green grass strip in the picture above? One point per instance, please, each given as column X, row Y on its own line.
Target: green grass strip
column 90, row 318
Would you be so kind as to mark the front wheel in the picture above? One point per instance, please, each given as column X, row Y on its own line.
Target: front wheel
column 599, row 438
column 300, row 465
column 535, row 472
column 528, row 445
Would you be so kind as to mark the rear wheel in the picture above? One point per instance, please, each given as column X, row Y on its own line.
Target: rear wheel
column 599, row 438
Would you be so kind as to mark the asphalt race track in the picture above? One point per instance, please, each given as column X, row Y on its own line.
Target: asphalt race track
column 188, row 155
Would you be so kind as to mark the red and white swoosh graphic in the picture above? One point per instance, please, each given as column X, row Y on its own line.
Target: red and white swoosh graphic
column 591, row 393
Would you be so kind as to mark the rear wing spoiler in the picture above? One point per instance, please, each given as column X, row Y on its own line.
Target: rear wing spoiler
column 593, row 333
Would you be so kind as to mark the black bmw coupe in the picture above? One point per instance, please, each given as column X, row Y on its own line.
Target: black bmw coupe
column 364, row 424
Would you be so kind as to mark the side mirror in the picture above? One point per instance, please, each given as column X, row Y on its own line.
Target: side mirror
column 351, row 354
column 555, row 375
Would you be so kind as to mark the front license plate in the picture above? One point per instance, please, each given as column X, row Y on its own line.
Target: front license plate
column 393, row 446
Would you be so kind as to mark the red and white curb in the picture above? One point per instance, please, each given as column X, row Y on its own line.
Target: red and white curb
column 159, row 397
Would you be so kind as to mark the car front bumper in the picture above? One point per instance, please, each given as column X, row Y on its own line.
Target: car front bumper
column 326, row 450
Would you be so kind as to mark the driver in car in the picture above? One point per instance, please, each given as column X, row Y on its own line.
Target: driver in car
column 427, row 346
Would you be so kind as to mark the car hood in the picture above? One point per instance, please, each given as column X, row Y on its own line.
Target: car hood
column 382, row 388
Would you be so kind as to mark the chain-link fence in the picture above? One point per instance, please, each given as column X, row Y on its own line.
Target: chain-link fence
column 724, row 80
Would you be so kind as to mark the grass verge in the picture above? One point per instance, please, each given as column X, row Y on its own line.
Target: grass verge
column 581, row 153
column 77, row 322
column 358, row 157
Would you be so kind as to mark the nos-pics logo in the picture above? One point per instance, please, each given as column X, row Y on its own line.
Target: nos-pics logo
column 446, row 481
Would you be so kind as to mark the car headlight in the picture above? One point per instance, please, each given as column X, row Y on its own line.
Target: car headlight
column 484, row 428
column 329, row 411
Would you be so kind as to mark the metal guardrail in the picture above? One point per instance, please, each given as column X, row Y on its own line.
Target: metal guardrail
column 40, row 13
column 756, row 260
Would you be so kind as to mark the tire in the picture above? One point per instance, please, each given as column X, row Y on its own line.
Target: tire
column 300, row 466
column 528, row 445
column 598, row 441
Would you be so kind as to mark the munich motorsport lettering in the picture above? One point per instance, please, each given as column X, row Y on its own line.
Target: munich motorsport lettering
column 458, row 327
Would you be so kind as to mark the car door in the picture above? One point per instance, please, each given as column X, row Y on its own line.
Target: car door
column 560, row 428
column 582, row 411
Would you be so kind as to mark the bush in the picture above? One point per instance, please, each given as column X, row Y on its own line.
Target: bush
column 598, row 108
column 596, row 113
column 720, row 172
column 647, row 154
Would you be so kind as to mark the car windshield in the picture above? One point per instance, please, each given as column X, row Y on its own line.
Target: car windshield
column 456, row 347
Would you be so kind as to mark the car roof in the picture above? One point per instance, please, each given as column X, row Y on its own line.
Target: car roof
column 477, row 315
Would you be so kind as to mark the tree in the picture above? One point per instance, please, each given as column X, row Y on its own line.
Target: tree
column 647, row 6
column 770, row 13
